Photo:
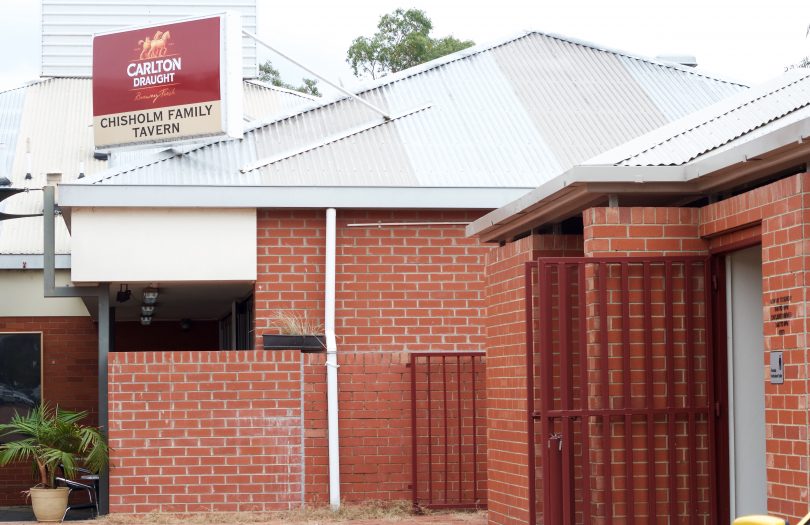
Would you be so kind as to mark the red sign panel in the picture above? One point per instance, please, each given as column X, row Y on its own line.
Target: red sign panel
column 160, row 83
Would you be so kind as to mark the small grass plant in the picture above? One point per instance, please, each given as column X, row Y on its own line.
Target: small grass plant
column 295, row 323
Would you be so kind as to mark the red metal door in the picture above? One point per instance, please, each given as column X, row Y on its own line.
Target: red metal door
column 448, row 429
column 621, row 397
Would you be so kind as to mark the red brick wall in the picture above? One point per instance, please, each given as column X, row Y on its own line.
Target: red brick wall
column 205, row 431
column 508, row 472
column 70, row 364
column 778, row 213
column 642, row 231
column 399, row 289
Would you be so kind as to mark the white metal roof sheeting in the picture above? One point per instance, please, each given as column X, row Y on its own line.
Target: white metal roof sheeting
column 717, row 127
column 53, row 118
column 68, row 27
column 258, row 106
column 513, row 114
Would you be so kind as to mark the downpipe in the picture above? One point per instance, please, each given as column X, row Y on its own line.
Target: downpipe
column 331, row 363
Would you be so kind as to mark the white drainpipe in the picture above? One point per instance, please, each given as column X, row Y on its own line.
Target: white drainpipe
column 331, row 363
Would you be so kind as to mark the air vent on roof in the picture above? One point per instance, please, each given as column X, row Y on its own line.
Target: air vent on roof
column 683, row 60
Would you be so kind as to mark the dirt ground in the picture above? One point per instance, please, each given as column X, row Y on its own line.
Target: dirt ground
column 296, row 518
column 478, row 518
column 443, row 518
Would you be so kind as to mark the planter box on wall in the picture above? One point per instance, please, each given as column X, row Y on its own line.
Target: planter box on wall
column 304, row 343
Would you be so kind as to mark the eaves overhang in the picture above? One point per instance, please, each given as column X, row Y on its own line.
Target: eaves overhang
column 290, row 197
column 586, row 185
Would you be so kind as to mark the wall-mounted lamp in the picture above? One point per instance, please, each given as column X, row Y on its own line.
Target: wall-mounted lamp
column 146, row 320
column 123, row 294
column 150, row 295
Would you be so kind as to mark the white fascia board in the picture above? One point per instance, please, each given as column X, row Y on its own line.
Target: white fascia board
column 31, row 262
column 120, row 196
column 710, row 162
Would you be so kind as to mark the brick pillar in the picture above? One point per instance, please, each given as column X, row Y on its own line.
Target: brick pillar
column 631, row 232
column 508, row 472
column 778, row 212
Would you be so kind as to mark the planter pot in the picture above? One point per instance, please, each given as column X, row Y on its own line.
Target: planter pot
column 304, row 343
column 49, row 504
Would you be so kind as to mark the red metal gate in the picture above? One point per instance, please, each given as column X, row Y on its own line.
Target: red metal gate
column 621, row 399
column 448, row 426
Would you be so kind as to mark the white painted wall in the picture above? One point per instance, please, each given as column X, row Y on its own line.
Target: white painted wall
column 22, row 295
column 160, row 245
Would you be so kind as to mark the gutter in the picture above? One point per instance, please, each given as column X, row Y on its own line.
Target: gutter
column 331, row 362
column 299, row 197
column 33, row 261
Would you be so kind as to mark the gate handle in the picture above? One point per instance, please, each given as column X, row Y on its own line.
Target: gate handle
column 556, row 436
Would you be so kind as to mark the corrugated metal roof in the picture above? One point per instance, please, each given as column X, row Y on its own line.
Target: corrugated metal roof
column 258, row 106
column 513, row 114
column 768, row 122
column 69, row 25
column 52, row 119
column 719, row 126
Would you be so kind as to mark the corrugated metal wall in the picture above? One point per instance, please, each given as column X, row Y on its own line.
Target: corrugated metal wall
column 68, row 27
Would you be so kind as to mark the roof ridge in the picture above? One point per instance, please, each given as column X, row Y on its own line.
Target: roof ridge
column 747, row 98
column 27, row 84
column 481, row 48
column 641, row 58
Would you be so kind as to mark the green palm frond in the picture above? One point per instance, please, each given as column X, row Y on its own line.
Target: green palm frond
column 52, row 439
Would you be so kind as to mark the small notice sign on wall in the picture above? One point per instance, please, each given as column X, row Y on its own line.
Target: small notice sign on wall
column 777, row 368
column 781, row 313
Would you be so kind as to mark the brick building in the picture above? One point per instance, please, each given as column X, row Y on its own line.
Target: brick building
column 656, row 353
column 326, row 210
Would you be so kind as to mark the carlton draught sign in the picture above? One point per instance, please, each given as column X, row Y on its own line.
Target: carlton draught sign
column 168, row 83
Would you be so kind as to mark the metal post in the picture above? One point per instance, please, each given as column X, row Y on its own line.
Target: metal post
column 102, row 291
column 104, row 318
column 374, row 108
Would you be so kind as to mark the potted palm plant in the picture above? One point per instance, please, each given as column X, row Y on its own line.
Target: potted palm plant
column 52, row 439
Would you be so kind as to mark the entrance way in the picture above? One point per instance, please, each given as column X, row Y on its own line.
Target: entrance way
column 620, row 371
column 746, row 387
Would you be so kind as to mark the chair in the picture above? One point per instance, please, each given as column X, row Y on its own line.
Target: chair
column 90, row 489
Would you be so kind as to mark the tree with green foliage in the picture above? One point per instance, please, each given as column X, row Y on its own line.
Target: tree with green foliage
column 271, row 75
column 402, row 40
column 804, row 62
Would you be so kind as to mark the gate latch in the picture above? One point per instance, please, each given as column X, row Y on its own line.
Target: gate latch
column 556, row 436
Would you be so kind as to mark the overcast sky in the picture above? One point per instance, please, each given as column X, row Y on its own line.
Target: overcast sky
column 746, row 40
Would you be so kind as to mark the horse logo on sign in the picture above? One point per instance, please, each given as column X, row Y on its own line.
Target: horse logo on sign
column 154, row 47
